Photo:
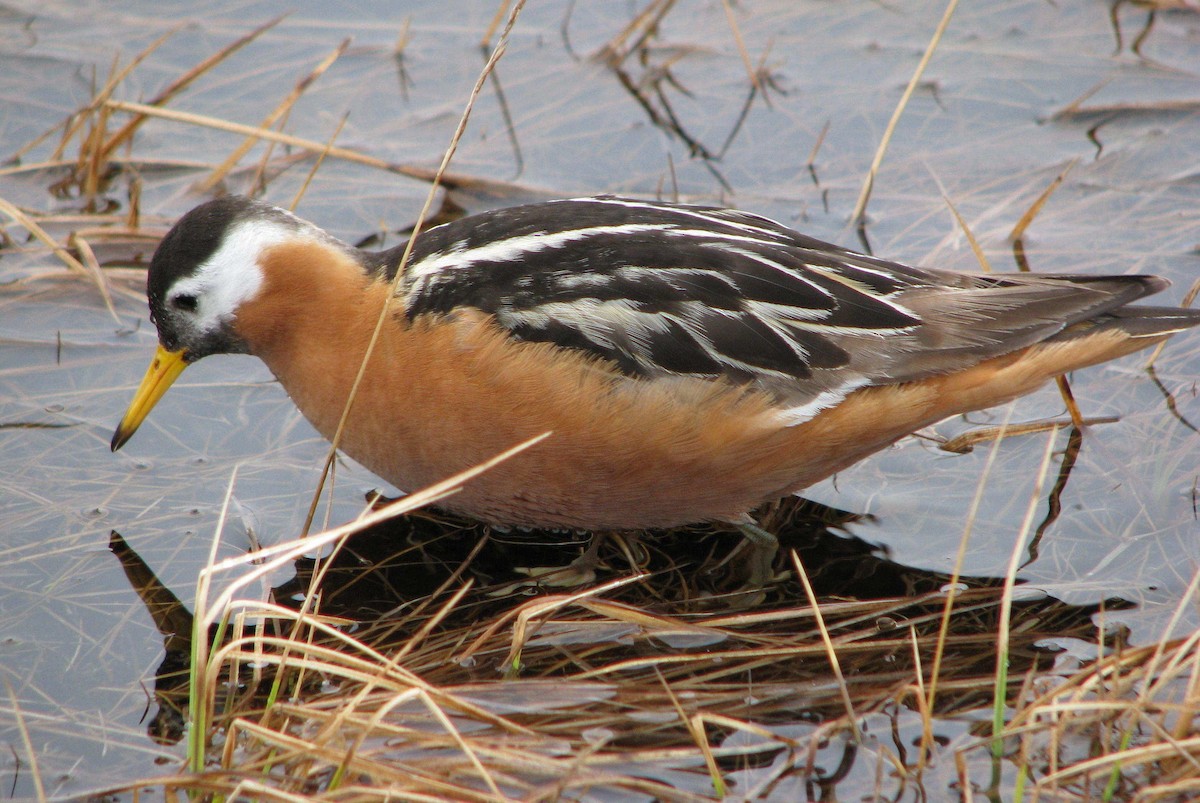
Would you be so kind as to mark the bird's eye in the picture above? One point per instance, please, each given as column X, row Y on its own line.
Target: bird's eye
column 185, row 302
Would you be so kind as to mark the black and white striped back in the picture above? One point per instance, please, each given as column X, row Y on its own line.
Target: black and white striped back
column 667, row 289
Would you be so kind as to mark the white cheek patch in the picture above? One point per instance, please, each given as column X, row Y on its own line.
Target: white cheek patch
column 232, row 275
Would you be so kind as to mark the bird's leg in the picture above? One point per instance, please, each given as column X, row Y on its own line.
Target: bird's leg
column 578, row 572
column 763, row 548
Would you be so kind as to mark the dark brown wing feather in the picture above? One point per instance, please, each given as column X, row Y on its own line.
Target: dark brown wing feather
column 664, row 289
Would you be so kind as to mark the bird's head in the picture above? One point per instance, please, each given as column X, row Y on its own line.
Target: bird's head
column 208, row 265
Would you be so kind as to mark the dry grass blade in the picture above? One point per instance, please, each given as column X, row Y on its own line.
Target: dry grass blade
column 182, row 82
column 976, row 248
column 1035, row 208
column 811, row 161
column 426, row 629
column 952, row 590
column 527, row 613
column 485, row 41
column 834, row 663
column 133, row 218
column 695, row 726
column 964, row 443
column 1150, row 107
column 381, row 677
column 348, row 759
column 1074, row 106
column 313, row 146
column 304, row 185
column 1010, row 580
column 644, row 25
column 287, row 749
column 921, row 698
column 860, row 207
column 274, row 557
column 27, row 742
column 91, row 269
column 1017, row 235
column 751, row 73
column 92, row 266
column 447, row 178
column 27, row 223
column 78, row 119
column 351, row 660
column 1186, row 602
column 284, row 107
column 91, row 164
column 384, row 313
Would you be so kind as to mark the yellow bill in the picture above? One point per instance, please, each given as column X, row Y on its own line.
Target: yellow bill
column 164, row 369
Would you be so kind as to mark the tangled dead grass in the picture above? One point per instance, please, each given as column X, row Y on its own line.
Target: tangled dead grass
column 478, row 692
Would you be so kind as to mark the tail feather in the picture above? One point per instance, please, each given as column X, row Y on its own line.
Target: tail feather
column 1136, row 322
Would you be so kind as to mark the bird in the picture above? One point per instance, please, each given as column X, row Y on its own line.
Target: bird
column 690, row 362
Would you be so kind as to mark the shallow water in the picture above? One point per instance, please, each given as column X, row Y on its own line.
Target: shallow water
column 986, row 129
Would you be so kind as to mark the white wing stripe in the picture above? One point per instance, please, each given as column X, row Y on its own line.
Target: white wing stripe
column 511, row 249
column 773, row 235
column 794, row 416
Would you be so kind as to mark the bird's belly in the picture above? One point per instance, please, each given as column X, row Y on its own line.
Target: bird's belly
column 440, row 397
column 623, row 453
column 633, row 467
